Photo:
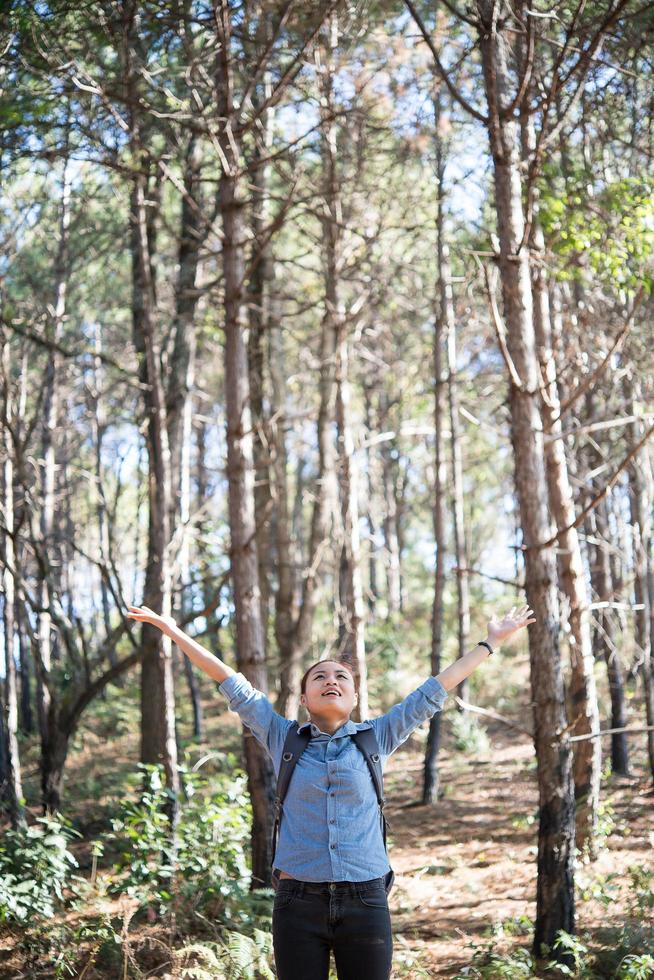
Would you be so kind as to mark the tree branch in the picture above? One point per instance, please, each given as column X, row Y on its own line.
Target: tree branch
column 617, row 344
column 596, row 500
column 452, row 89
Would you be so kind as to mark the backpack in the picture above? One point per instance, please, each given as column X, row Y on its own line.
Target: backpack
column 294, row 745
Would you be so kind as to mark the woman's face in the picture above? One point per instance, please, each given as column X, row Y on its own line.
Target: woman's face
column 329, row 691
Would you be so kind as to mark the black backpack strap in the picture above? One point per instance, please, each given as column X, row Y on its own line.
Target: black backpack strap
column 366, row 741
column 294, row 745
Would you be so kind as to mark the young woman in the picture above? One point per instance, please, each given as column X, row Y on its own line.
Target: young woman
column 331, row 864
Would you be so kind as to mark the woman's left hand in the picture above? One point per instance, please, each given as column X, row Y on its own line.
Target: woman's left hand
column 500, row 630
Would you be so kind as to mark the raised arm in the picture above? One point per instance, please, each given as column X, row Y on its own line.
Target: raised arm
column 252, row 706
column 499, row 630
column 206, row 661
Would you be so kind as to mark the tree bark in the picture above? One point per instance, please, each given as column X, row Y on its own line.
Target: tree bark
column 98, row 427
column 458, row 513
column 582, row 692
column 371, row 470
column 351, row 644
column 605, row 633
column 179, row 396
column 158, row 738
column 240, row 463
column 641, row 497
column 11, row 767
column 555, row 908
column 390, row 522
column 431, row 775
column 47, row 651
column 158, row 742
column 260, row 287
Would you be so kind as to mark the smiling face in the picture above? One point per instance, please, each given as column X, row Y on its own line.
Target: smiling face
column 329, row 692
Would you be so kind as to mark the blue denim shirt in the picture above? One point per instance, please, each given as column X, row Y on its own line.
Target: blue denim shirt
column 331, row 829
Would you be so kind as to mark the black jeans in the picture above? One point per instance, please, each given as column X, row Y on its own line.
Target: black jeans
column 349, row 917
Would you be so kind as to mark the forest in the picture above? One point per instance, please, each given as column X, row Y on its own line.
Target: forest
column 325, row 334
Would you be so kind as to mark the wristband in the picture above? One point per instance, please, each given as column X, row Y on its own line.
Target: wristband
column 482, row 643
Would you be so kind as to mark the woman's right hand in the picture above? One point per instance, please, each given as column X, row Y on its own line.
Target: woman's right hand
column 143, row 614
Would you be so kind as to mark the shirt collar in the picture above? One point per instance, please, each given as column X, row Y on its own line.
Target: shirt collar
column 349, row 728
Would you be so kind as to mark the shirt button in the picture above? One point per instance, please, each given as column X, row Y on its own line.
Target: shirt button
column 332, row 820
column 333, row 847
column 332, row 794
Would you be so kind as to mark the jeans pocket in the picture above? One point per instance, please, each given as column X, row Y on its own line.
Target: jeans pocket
column 283, row 898
column 374, row 898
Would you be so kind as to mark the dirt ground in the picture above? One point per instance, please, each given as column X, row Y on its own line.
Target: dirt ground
column 469, row 863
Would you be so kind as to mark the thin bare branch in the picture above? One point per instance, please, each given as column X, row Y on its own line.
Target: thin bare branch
column 443, row 74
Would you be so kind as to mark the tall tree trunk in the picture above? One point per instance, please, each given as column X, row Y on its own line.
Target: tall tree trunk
column 351, row 613
column 352, row 640
column 582, row 693
column 179, row 396
column 294, row 641
column 240, row 463
column 285, row 622
column 98, row 426
column 390, row 522
column 641, row 497
column 158, row 743
column 458, row 513
column 22, row 628
column 158, row 737
column 373, row 589
column 431, row 775
column 555, row 907
column 46, row 652
column 259, row 294
column 11, row 768
column 605, row 633
column 21, row 618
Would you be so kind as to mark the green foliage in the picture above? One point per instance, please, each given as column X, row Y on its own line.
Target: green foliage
column 641, row 892
column 636, row 968
column 606, row 822
column 611, row 232
column 488, row 964
column 238, row 957
column 35, row 866
column 626, row 956
column 204, row 868
column 576, row 953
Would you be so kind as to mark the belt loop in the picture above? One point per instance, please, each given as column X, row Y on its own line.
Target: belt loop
column 300, row 889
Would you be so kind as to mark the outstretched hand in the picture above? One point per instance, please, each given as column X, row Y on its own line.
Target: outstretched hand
column 143, row 614
column 500, row 630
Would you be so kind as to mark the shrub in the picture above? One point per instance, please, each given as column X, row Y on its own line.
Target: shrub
column 204, row 870
column 35, row 866
column 636, row 968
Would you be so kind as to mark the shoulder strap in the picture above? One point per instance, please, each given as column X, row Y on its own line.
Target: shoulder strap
column 294, row 745
column 366, row 741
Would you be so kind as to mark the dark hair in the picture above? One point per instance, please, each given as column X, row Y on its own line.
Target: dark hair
column 329, row 660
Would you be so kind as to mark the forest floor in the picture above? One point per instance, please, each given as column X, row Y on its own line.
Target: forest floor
column 465, row 868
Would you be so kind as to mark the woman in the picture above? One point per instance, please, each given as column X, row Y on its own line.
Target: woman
column 331, row 865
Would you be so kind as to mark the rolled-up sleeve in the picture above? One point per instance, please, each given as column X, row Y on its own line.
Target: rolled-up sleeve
column 255, row 710
column 396, row 725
